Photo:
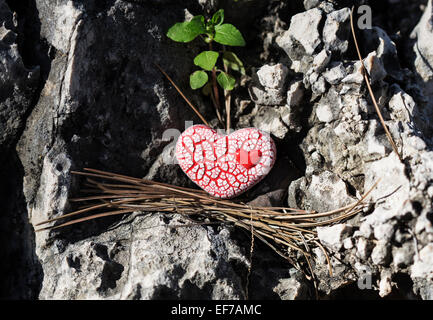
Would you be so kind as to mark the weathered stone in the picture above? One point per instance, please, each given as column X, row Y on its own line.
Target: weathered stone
column 384, row 231
column 145, row 259
column 423, row 33
column 269, row 120
column 309, row 4
column 378, row 41
column 273, row 77
column 356, row 76
column 104, row 105
column 321, row 60
column 266, row 96
column 403, row 256
column 295, row 94
column 375, row 67
column 363, row 248
column 335, row 74
column 385, row 284
column 346, row 138
column 324, row 113
column 348, row 243
column 333, row 237
column 381, row 253
column 291, row 289
column 302, row 39
column 329, row 107
column 53, row 192
column 336, row 31
column 319, row 87
column 18, row 84
column 423, row 265
column 291, row 117
column 327, row 192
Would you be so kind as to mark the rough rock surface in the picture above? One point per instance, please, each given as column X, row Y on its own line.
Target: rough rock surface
column 18, row 83
column 345, row 137
column 78, row 88
column 145, row 259
column 423, row 33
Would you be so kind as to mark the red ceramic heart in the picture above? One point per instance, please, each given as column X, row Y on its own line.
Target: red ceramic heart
column 225, row 165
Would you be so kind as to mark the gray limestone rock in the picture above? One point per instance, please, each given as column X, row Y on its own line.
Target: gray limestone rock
column 324, row 113
column 103, row 104
column 309, row 4
column 302, row 38
column 375, row 67
column 269, row 120
column 273, row 77
column 19, row 85
column 17, row 82
column 423, row 266
column 325, row 192
column 423, row 33
column 403, row 256
column 363, row 248
column 334, row 237
column 321, row 60
column 269, row 85
column 381, row 253
column 335, row 74
column 336, row 31
column 319, row 87
column 146, row 259
column 377, row 40
column 295, row 94
column 346, row 138
column 266, row 96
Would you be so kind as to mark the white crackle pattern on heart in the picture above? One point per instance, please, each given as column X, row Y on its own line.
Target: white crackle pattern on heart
column 225, row 166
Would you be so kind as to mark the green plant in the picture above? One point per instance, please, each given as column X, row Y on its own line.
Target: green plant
column 212, row 30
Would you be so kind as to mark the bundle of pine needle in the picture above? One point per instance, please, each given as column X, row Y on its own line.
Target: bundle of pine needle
column 283, row 229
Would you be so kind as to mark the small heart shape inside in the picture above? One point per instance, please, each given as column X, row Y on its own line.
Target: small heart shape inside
column 225, row 165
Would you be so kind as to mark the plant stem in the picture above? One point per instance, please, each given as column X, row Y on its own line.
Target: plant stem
column 228, row 99
column 215, row 89
column 220, row 119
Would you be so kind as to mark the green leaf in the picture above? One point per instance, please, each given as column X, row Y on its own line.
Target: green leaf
column 218, row 17
column 198, row 79
column 188, row 30
column 206, row 59
column 226, row 81
column 232, row 61
column 228, row 34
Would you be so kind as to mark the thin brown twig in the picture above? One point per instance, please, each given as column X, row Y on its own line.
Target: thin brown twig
column 310, row 266
column 214, row 92
column 251, row 256
column 370, row 90
column 183, row 96
column 326, row 256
